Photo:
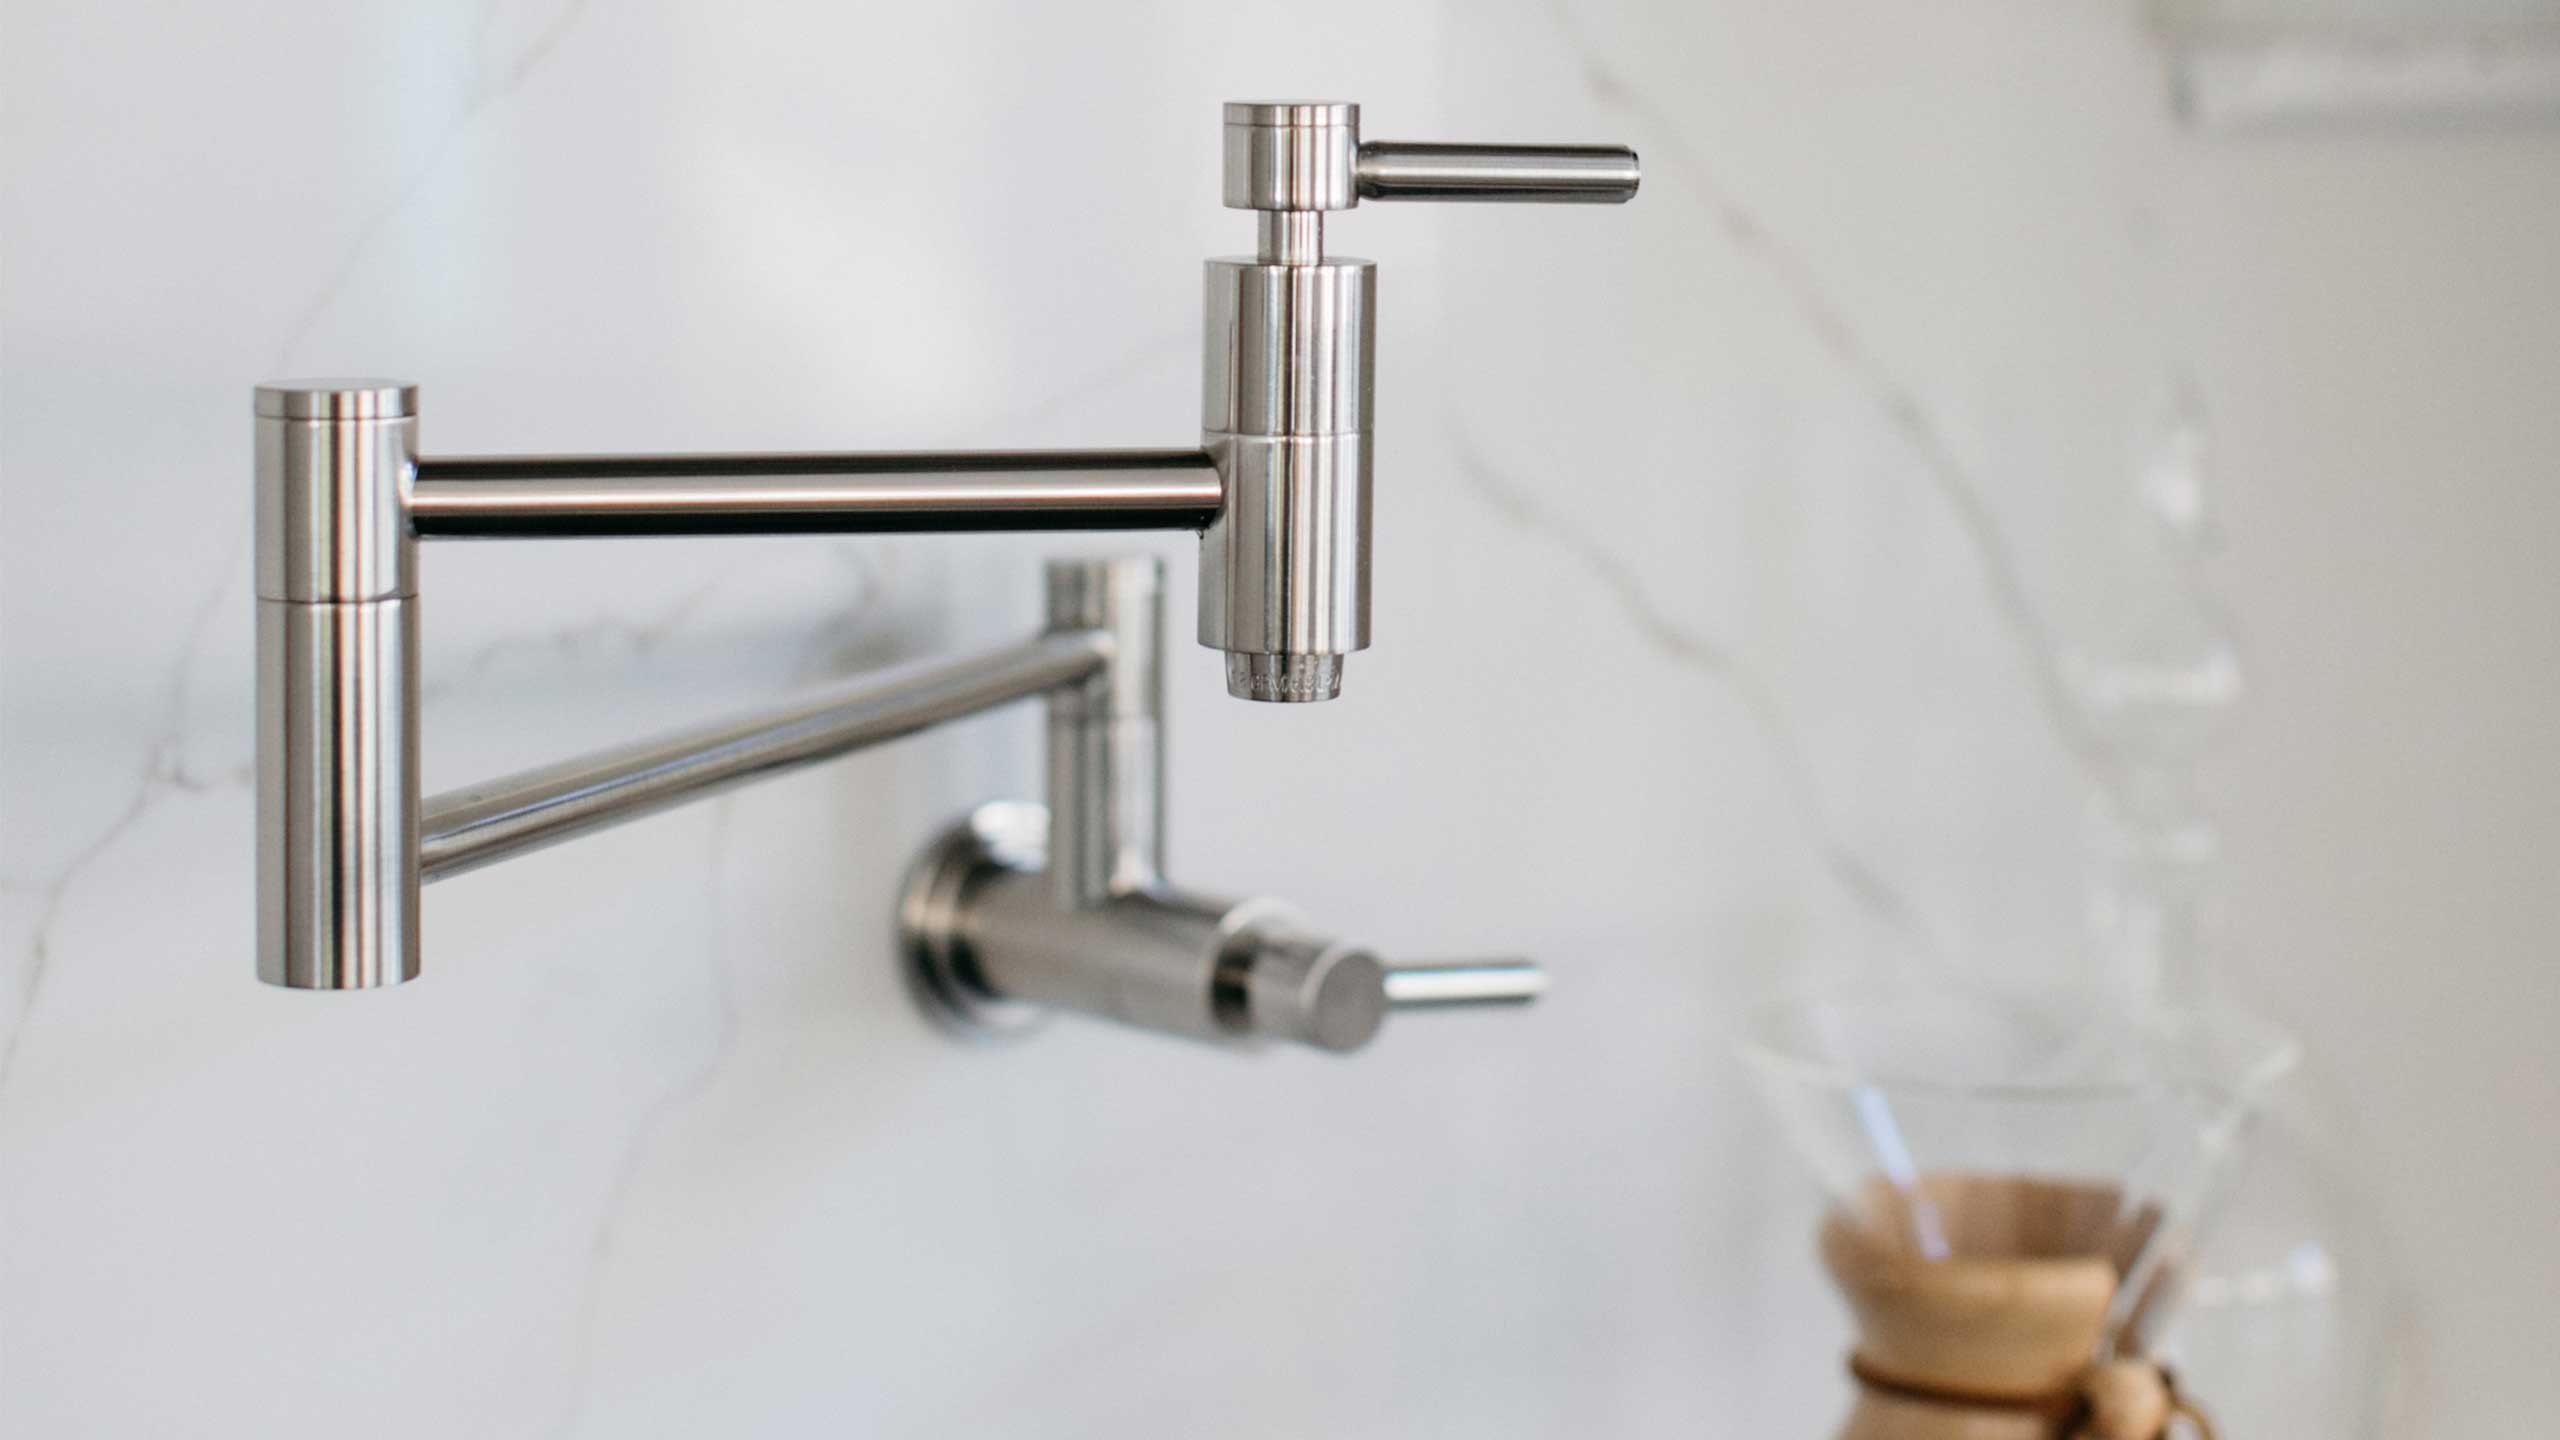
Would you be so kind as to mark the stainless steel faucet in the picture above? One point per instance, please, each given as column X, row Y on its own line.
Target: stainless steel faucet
column 1008, row 910
column 1287, row 361
column 1018, row 909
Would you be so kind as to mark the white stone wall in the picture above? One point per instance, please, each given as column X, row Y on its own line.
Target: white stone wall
column 1728, row 547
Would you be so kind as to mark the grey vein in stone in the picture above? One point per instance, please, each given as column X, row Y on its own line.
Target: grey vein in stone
column 653, row 1121
column 638, row 636
column 488, row 86
column 1712, row 658
column 1962, row 492
column 164, row 770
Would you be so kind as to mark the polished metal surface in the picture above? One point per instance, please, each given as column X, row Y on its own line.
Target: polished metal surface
column 1019, row 910
column 1307, row 156
column 1432, row 984
column 1284, row 574
column 337, row 659
column 479, row 824
column 337, row 794
column 1287, row 349
column 990, row 950
column 1549, row 174
column 337, row 398
column 1286, row 399
column 563, row 496
column 1151, row 959
column 1106, row 747
column 1285, row 679
column 983, row 930
column 1291, row 155
column 941, row 970
column 333, row 470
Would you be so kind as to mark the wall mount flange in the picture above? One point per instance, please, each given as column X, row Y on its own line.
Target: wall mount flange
column 1000, row 837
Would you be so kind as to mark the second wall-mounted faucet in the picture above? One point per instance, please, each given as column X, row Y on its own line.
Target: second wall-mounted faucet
column 1279, row 489
column 1021, row 909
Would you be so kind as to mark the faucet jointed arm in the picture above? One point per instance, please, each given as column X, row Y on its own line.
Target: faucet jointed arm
column 343, row 499
column 1278, row 489
column 462, row 830
column 572, row 496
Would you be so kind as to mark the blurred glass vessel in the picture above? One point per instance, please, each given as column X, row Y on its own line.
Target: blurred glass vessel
column 2017, row 1179
column 2291, row 1299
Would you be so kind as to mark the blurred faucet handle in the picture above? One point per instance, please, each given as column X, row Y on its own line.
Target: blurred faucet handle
column 1443, row 984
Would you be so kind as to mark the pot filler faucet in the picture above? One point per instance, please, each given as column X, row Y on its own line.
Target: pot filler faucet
column 1018, row 910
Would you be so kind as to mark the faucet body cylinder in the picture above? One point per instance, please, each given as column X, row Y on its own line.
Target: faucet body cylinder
column 337, row 643
column 1285, row 413
column 1165, row 960
column 1147, row 959
column 462, row 830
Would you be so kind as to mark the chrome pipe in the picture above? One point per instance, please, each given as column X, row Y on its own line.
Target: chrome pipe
column 478, row 824
column 1552, row 174
column 1289, row 237
column 563, row 496
column 1436, row 984
column 1106, row 735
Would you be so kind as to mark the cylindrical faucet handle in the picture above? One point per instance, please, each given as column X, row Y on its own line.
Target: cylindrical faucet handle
column 1441, row 984
column 1291, row 155
column 1545, row 174
column 1305, row 157
column 1277, row 983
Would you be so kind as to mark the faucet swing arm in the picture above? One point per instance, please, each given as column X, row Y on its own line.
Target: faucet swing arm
column 996, row 917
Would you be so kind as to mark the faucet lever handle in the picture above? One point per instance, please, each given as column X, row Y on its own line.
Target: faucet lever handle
column 1538, row 174
column 1304, row 157
column 1442, row 984
column 1280, row 984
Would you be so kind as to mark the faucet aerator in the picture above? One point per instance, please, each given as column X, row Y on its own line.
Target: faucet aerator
column 1285, row 679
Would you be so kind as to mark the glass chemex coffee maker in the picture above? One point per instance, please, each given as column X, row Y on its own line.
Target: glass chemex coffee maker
column 2016, row 1181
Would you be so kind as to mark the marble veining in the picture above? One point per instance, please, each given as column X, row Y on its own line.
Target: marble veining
column 1683, row 163
column 1686, row 646
column 165, row 766
column 657, row 1146
column 637, row 1147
